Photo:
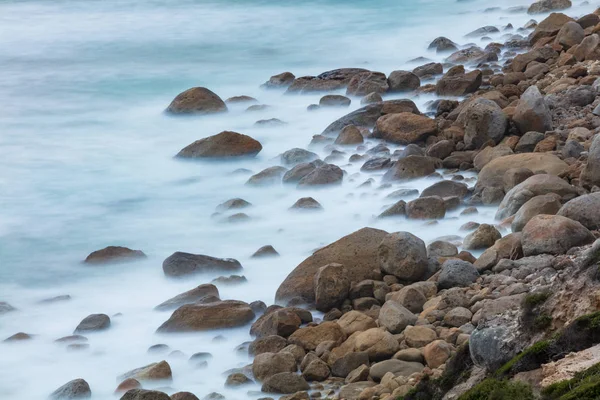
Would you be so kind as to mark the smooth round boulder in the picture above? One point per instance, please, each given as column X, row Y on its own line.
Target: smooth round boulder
column 483, row 120
column 437, row 353
column 285, row 383
column 201, row 317
column 311, row 336
column 226, row 144
column 355, row 321
column 404, row 128
column 548, row 204
column 75, row 389
column 93, row 323
column 403, row 255
column 266, row 365
column 583, row 209
column 265, row 251
column 328, row 174
column 411, row 167
column 394, row 317
column 268, row 176
column 446, row 188
column 350, row 135
column 483, row 237
column 197, row 100
column 378, row 343
column 553, row 234
column 334, row 100
column 457, row 273
column 364, row 83
column 158, row 371
column 181, row 264
column 430, row 207
column 456, row 82
column 396, row 367
column 403, row 81
column 143, row 394
column 296, row 156
column 114, row 254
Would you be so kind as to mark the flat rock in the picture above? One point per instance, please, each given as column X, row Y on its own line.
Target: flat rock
column 201, row 317
column 226, row 144
column 181, row 264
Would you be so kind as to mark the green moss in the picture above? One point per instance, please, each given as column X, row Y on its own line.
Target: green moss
column 493, row 389
column 542, row 322
column 535, row 299
column 590, row 320
column 532, row 354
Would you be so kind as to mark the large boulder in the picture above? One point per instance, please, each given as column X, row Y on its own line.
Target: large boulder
column 367, row 82
column 75, row 389
column 485, row 156
column 197, row 100
column 403, row 81
column 457, row 273
column 284, row 383
column 404, row 128
column 201, row 317
column 93, row 323
column 411, row 167
column 158, row 371
column 114, row 254
column 541, row 55
column 544, row 6
column 350, row 135
column 268, row 176
column 548, row 204
column 483, row 120
column 181, row 264
column 378, row 343
column 588, row 49
column 532, row 112
column 143, row 394
column 492, row 347
column 403, row 255
column 396, row 367
column 570, row 34
column 584, row 209
column 446, row 189
column 590, row 175
column 430, row 207
column 553, row 234
column 394, row 317
column 327, row 81
column 483, row 237
column 355, row 321
column 357, row 252
column 309, row 337
column 492, row 174
column 223, row 145
column 327, row 174
column 344, row 365
column 548, row 28
column 266, row 365
column 206, row 291
column 458, row 83
column 535, row 185
column 280, row 321
column 331, row 286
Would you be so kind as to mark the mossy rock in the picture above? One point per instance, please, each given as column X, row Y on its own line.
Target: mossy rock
column 493, row 389
column 585, row 385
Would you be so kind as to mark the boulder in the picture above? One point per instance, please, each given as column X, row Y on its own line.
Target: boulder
column 544, row 6
column 570, row 34
column 75, row 389
column 403, row 255
column 201, row 317
column 357, row 252
column 367, row 82
column 509, row 247
column 114, row 254
column 513, row 176
column 143, row 394
column 403, row 81
column 541, row 54
column 457, row 273
column 483, row 237
column 350, row 135
column 399, row 208
column 309, row 337
column 553, row 234
column 353, row 391
column 197, row 100
column 472, row 55
column 331, row 286
column 355, row 321
column 233, row 204
column 484, row 30
column 296, row 156
column 181, row 264
column 266, row 365
column 189, row 297
column 280, row 321
column 483, row 120
column 419, row 336
column 327, row 81
column 316, row 371
column 371, row 98
column 548, row 204
column 440, row 248
column 267, row 250
column 446, row 188
column 588, row 49
column 431, row 207
column 441, row 149
column 237, row 379
column 411, row 167
column 583, row 209
column 442, row 44
column 378, row 343
column 458, row 317
column 267, row 344
column 528, row 141
column 93, row 323
column 328, row 174
column 485, row 156
column 532, row 112
column 428, row 70
column 394, row 317
column 282, row 80
column 268, row 176
column 404, row 128
column 334, row 100
column 285, row 383
column 344, row 365
column 458, row 83
column 437, row 353
column 396, row 367
column 159, row 371
column 301, row 170
column 548, row 28
column 223, row 145
column 590, row 175
column 492, row 347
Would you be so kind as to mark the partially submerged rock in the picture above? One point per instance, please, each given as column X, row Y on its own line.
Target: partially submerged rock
column 114, row 254
column 223, row 145
column 181, row 264
column 201, row 317
column 75, row 389
column 197, row 100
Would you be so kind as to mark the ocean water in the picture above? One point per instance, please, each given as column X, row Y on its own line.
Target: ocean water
column 86, row 161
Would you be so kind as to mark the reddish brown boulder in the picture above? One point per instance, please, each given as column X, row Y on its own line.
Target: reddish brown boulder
column 201, row 317
column 224, row 144
column 197, row 100
column 114, row 254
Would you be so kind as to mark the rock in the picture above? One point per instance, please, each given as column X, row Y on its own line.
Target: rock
column 237, row 379
column 404, row 128
column 282, row 322
column 403, row 81
column 285, row 382
column 588, row 49
column 241, row 99
column 572, row 149
column 431, row 207
column 213, row 396
column 18, row 337
column 367, row 82
column 509, row 247
column 457, row 317
column 442, row 44
column 489, row 154
column 483, row 237
column 197, row 100
column 412, row 297
column 440, row 248
column 419, row 336
column 327, row 174
column 317, row 371
column 485, row 30
column 428, row 70
column 182, row 264
column 296, row 156
column 344, row 365
column 327, row 81
column 394, row 317
column 483, row 120
column 189, row 297
column 528, row 142
column 403, row 255
column 359, row 374
column 266, row 251
column 266, row 365
column 513, row 176
column 492, row 347
column 334, row 100
column 93, row 323
column 588, row 20
column 457, row 273
column 397, row 367
column 535, row 185
column 570, row 34
column 142, row 394
column 355, row 321
column 548, row 28
column 371, row 98
column 437, row 353
column 267, row 344
column 441, row 149
column 127, row 385
column 350, row 135
column 233, row 204
column 544, row 6
column 379, row 344
column 399, row 208
column 357, row 252
column 446, row 188
column 306, row 203
column 411, row 167
column 160, row 371
column 331, row 286
column 5, row 307
column 584, row 209
column 223, row 145
column 492, row 175
column 532, row 112
column 191, row 396
column 201, row 317
column 75, row 389
column 545, row 204
column 282, row 80
column 309, row 337
column 542, row 54
column 590, row 175
column 114, row 254
column 268, row 176
column 553, row 234
column 301, row 170
column 458, row 83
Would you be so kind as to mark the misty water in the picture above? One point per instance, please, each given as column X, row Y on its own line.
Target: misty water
column 86, row 161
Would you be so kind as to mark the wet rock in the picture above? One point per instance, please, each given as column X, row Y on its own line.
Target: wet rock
column 367, row 82
column 483, row 120
column 268, row 176
column 483, row 237
column 484, row 30
column 403, row 81
column 545, row 204
column 297, row 156
column 18, row 337
column 357, row 252
column 399, row 208
column 404, row 128
column 441, row 149
column 5, row 307
column 458, row 83
column 233, row 204
column 191, row 296
column 279, row 321
column 223, row 145
column 212, row 396
column 379, row 344
column 200, row 317
column 394, row 317
column 397, row 367
column 142, row 394
column 544, row 6
column 191, row 396
column 553, row 234
column 548, row 28
column 72, row 339
column 197, row 100
column 431, row 207
column 446, row 189
column 428, row 70
column 403, row 255
column 334, row 100
column 317, row 371
column 327, row 81
column 411, row 167
column 306, row 203
column 301, row 170
column 331, row 286
column 284, row 383
column 267, row 344
column 355, row 321
column 472, row 55
column 532, row 112
column 181, row 264
column 271, row 122
column 542, row 54
column 489, row 154
column 265, row 251
column 442, row 44
column 349, row 135
column 570, row 34
column 160, row 371
column 308, row 338
column 127, row 385
column 371, row 98
column 584, row 209
column 227, row 280
column 327, row 174
column 114, row 254
column 377, row 164
column 241, row 99
column 237, row 379
column 93, row 323
column 457, row 273
column 590, row 175
column 282, row 80
column 440, row 248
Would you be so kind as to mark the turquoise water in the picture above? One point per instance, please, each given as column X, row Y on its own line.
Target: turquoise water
column 86, row 161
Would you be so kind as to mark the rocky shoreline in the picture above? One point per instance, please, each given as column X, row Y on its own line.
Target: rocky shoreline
column 494, row 311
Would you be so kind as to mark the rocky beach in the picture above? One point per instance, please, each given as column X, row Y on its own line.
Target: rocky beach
column 427, row 232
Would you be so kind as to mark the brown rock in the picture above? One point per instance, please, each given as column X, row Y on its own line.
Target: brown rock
column 367, row 82
column 483, row 237
column 411, row 167
column 545, row 204
column 553, row 234
column 349, row 135
column 160, row 371
column 437, row 353
column 378, row 343
column 310, row 337
column 404, row 128
column 224, row 144
column 191, row 296
column 431, row 207
column 197, row 100
column 419, row 336
column 331, row 286
column 200, row 317
column 266, row 365
column 355, row 321
column 114, row 254
column 458, row 83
